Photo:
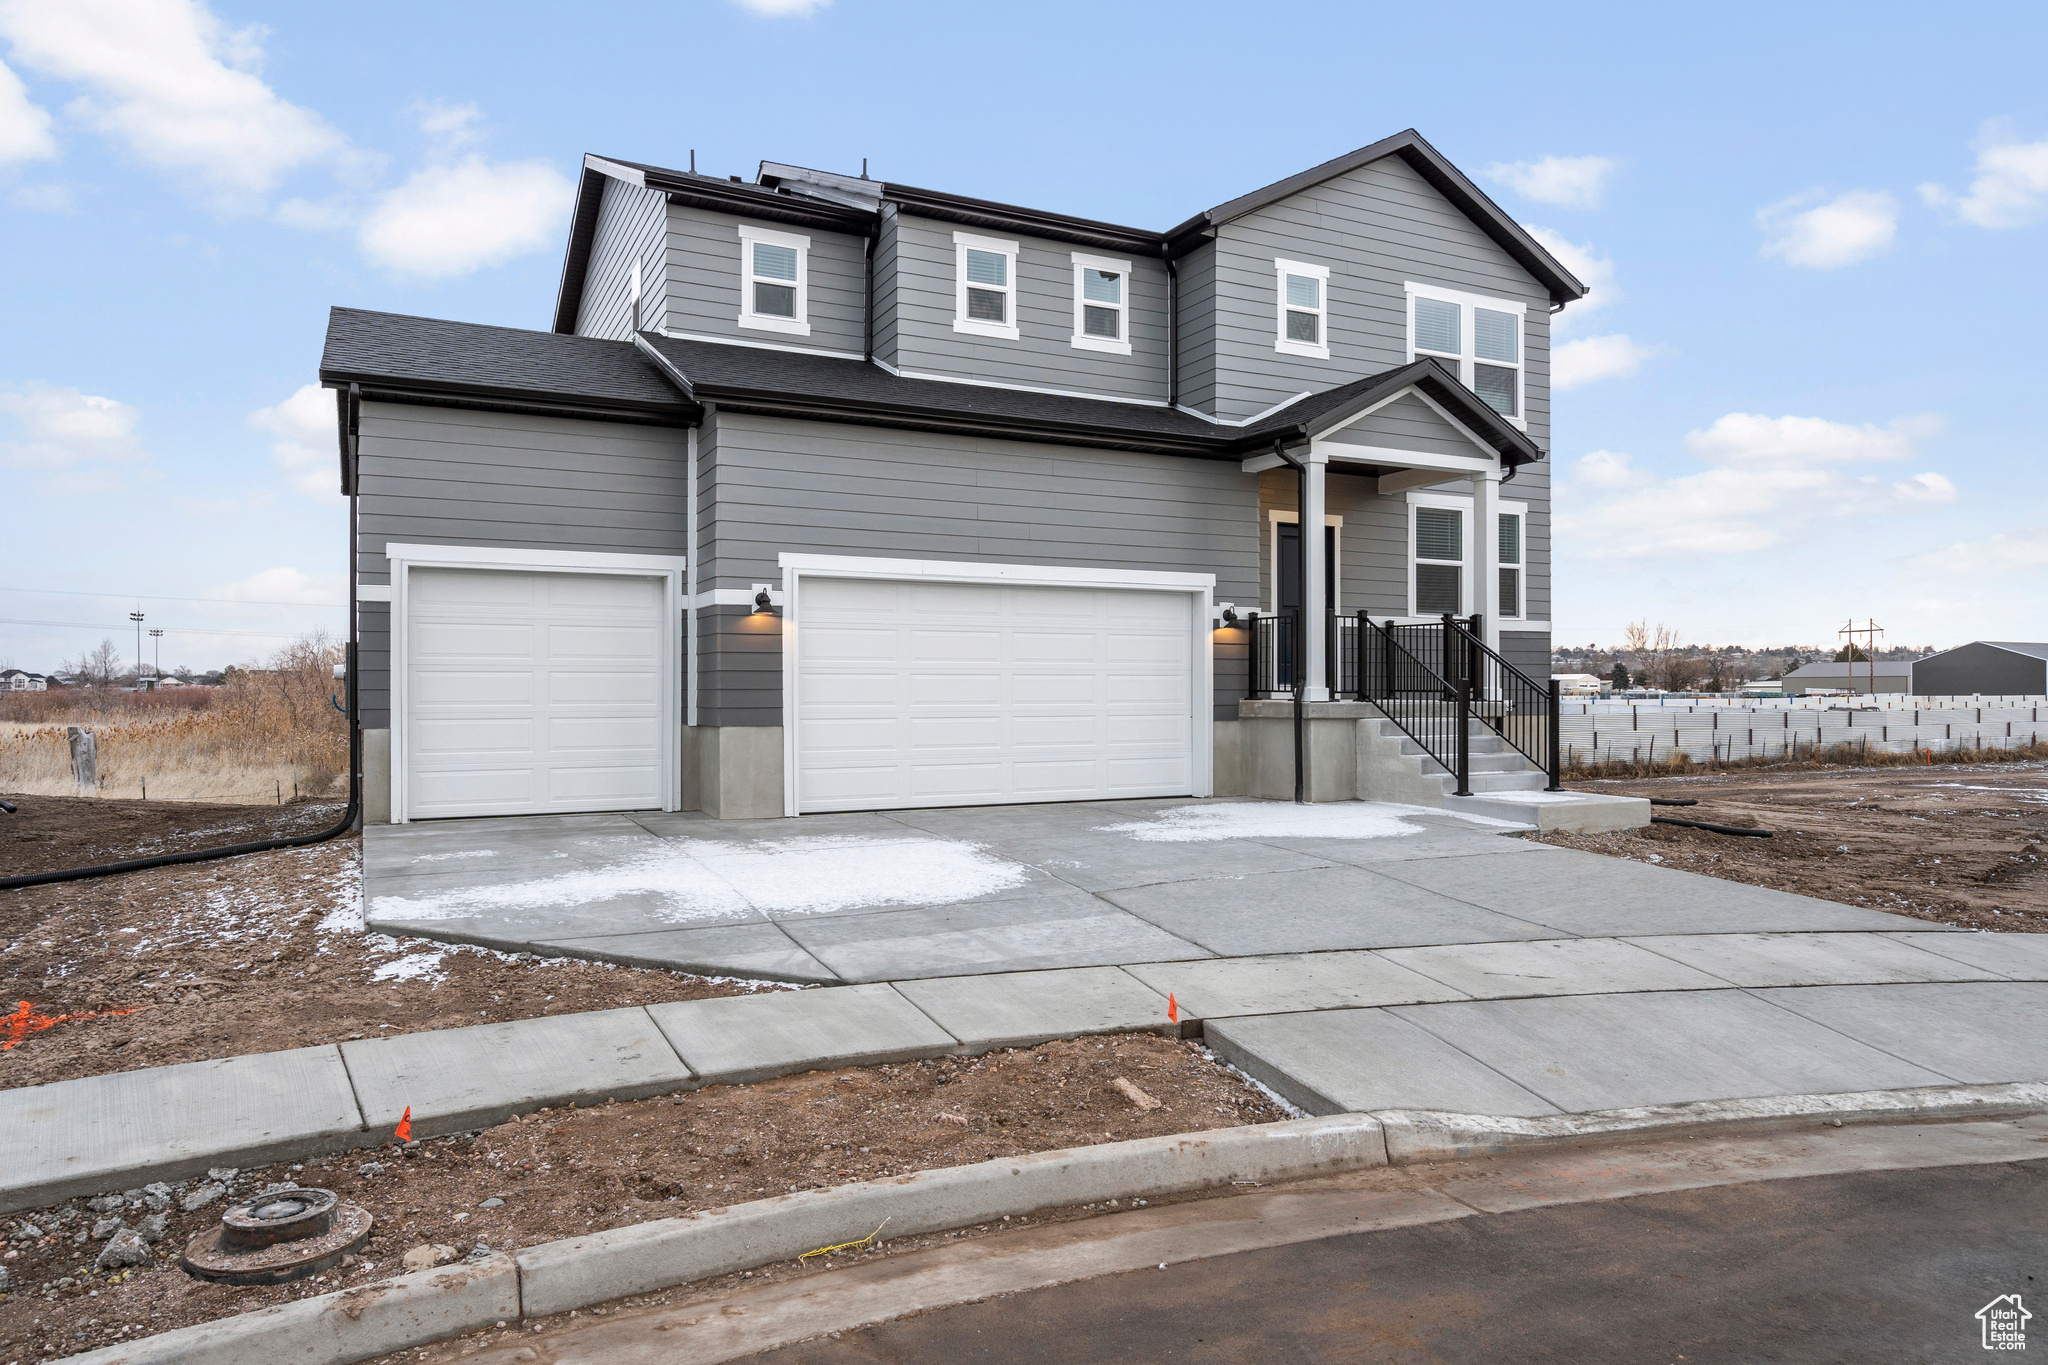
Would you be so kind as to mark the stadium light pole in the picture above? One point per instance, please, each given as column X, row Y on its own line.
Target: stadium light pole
column 156, row 669
column 136, row 617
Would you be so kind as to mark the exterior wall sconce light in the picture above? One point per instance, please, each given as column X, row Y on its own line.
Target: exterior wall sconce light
column 1226, row 616
column 764, row 603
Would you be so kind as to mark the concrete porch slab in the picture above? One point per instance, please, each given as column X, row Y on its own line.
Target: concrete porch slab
column 1357, row 1061
column 1321, row 910
column 454, row 1080
column 167, row 1122
column 1287, row 984
column 1023, row 1009
column 1814, row 959
column 1974, row 1032
column 1068, row 928
column 1618, row 1051
column 738, row 1039
column 1568, row 966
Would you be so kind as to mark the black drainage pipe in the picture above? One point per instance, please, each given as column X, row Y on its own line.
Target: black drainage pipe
column 1737, row 830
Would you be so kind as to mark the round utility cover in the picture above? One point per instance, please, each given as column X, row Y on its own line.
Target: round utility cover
column 276, row 1237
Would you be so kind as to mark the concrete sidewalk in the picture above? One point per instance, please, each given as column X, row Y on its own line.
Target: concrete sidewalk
column 1512, row 1027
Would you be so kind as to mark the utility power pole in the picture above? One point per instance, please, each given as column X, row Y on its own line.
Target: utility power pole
column 136, row 617
column 1870, row 630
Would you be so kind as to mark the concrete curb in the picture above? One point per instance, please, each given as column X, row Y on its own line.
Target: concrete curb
column 412, row 1310
column 1422, row 1135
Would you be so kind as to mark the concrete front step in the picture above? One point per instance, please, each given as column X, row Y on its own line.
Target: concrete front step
column 1482, row 763
column 1574, row 812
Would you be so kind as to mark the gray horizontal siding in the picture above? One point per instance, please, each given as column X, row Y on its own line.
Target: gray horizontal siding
column 1527, row 650
column 1531, row 485
column 446, row 476
column 704, row 282
column 885, row 285
column 1372, row 568
column 1375, row 228
column 791, row 485
column 1408, row 423
column 629, row 228
column 923, row 304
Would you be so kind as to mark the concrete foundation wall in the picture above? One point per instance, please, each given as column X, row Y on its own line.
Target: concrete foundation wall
column 376, row 777
column 737, row 769
column 1228, row 778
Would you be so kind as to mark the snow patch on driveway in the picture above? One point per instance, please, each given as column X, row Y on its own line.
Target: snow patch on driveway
column 1276, row 820
column 696, row 879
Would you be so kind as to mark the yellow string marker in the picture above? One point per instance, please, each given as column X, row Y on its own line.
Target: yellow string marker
column 827, row 1251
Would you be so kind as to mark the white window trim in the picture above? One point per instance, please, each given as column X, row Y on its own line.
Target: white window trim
column 1520, row 512
column 404, row 558
column 1201, row 587
column 1463, row 502
column 1275, row 519
column 1282, row 268
column 1002, row 331
column 800, row 324
column 1122, row 344
column 1468, row 337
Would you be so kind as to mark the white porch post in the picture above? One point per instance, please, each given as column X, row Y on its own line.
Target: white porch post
column 1313, row 606
column 1486, row 552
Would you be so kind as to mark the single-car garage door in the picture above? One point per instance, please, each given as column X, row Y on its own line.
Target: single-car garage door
column 941, row 694
column 532, row 692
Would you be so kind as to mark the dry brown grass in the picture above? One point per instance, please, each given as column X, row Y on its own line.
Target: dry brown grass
column 1811, row 759
column 270, row 733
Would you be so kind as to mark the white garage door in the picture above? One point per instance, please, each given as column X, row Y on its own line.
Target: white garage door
column 532, row 692
column 943, row 694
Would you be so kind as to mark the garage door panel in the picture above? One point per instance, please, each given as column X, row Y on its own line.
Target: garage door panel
column 533, row 692
column 986, row 694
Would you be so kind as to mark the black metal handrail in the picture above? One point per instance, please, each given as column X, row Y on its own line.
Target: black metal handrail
column 1513, row 705
column 1273, row 636
column 1374, row 663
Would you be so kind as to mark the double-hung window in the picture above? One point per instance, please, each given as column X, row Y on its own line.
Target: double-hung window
column 774, row 293
column 1102, row 304
column 1478, row 339
column 1303, row 299
column 1439, row 563
column 985, row 290
column 1511, row 584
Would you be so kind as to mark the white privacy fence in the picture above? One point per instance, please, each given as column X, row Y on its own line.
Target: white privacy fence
column 1646, row 732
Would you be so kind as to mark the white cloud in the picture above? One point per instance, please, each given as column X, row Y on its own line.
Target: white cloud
column 2007, row 552
column 1765, row 480
column 43, row 198
column 2011, row 188
column 783, row 9
column 1589, row 359
column 449, row 126
column 1572, row 182
column 1853, row 226
column 178, row 89
column 64, row 429
column 286, row 584
column 305, row 447
column 24, row 125
column 1593, row 270
column 454, row 218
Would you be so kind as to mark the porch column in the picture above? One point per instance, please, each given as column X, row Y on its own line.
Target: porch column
column 1486, row 552
column 1314, row 607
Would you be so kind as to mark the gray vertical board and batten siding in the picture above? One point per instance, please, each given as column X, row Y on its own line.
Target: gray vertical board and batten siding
column 787, row 484
column 1195, row 383
column 630, row 226
column 885, row 286
column 452, row 476
column 924, row 304
column 704, row 285
column 1374, row 228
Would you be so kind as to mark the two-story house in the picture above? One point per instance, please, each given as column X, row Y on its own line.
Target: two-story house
column 828, row 493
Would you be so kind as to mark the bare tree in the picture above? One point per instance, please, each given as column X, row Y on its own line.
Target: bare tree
column 100, row 668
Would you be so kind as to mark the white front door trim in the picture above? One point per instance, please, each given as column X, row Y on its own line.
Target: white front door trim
column 1199, row 586
column 405, row 558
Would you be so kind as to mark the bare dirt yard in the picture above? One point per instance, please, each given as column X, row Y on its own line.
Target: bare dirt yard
column 250, row 954
column 1965, row 845
column 560, row 1173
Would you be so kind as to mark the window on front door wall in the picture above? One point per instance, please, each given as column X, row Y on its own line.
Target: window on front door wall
column 1511, row 583
column 1102, row 304
column 1439, row 561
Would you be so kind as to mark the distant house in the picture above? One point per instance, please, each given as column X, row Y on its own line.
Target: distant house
column 1582, row 684
column 15, row 680
column 1833, row 675
column 1984, row 668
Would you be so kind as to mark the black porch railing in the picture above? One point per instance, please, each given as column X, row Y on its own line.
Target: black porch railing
column 1432, row 679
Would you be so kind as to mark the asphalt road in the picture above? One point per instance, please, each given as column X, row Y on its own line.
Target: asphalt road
column 1883, row 1266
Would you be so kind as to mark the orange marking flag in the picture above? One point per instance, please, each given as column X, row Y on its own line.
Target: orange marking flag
column 19, row 1025
column 1172, row 1008
column 404, row 1131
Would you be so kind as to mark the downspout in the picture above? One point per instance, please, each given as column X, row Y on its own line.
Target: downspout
column 350, row 416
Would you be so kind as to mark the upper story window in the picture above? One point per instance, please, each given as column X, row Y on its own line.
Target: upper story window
column 985, row 292
column 1479, row 338
column 774, row 290
column 1304, row 298
column 1102, row 304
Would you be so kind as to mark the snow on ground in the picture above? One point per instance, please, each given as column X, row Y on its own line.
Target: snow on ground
column 1275, row 820
column 692, row 879
column 413, row 967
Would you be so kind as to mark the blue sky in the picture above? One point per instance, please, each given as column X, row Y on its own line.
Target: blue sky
column 1819, row 236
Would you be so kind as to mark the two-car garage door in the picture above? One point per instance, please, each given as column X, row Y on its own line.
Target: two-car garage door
column 913, row 693
column 530, row 692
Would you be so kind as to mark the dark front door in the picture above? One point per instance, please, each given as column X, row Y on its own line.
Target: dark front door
column 1290, row 566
